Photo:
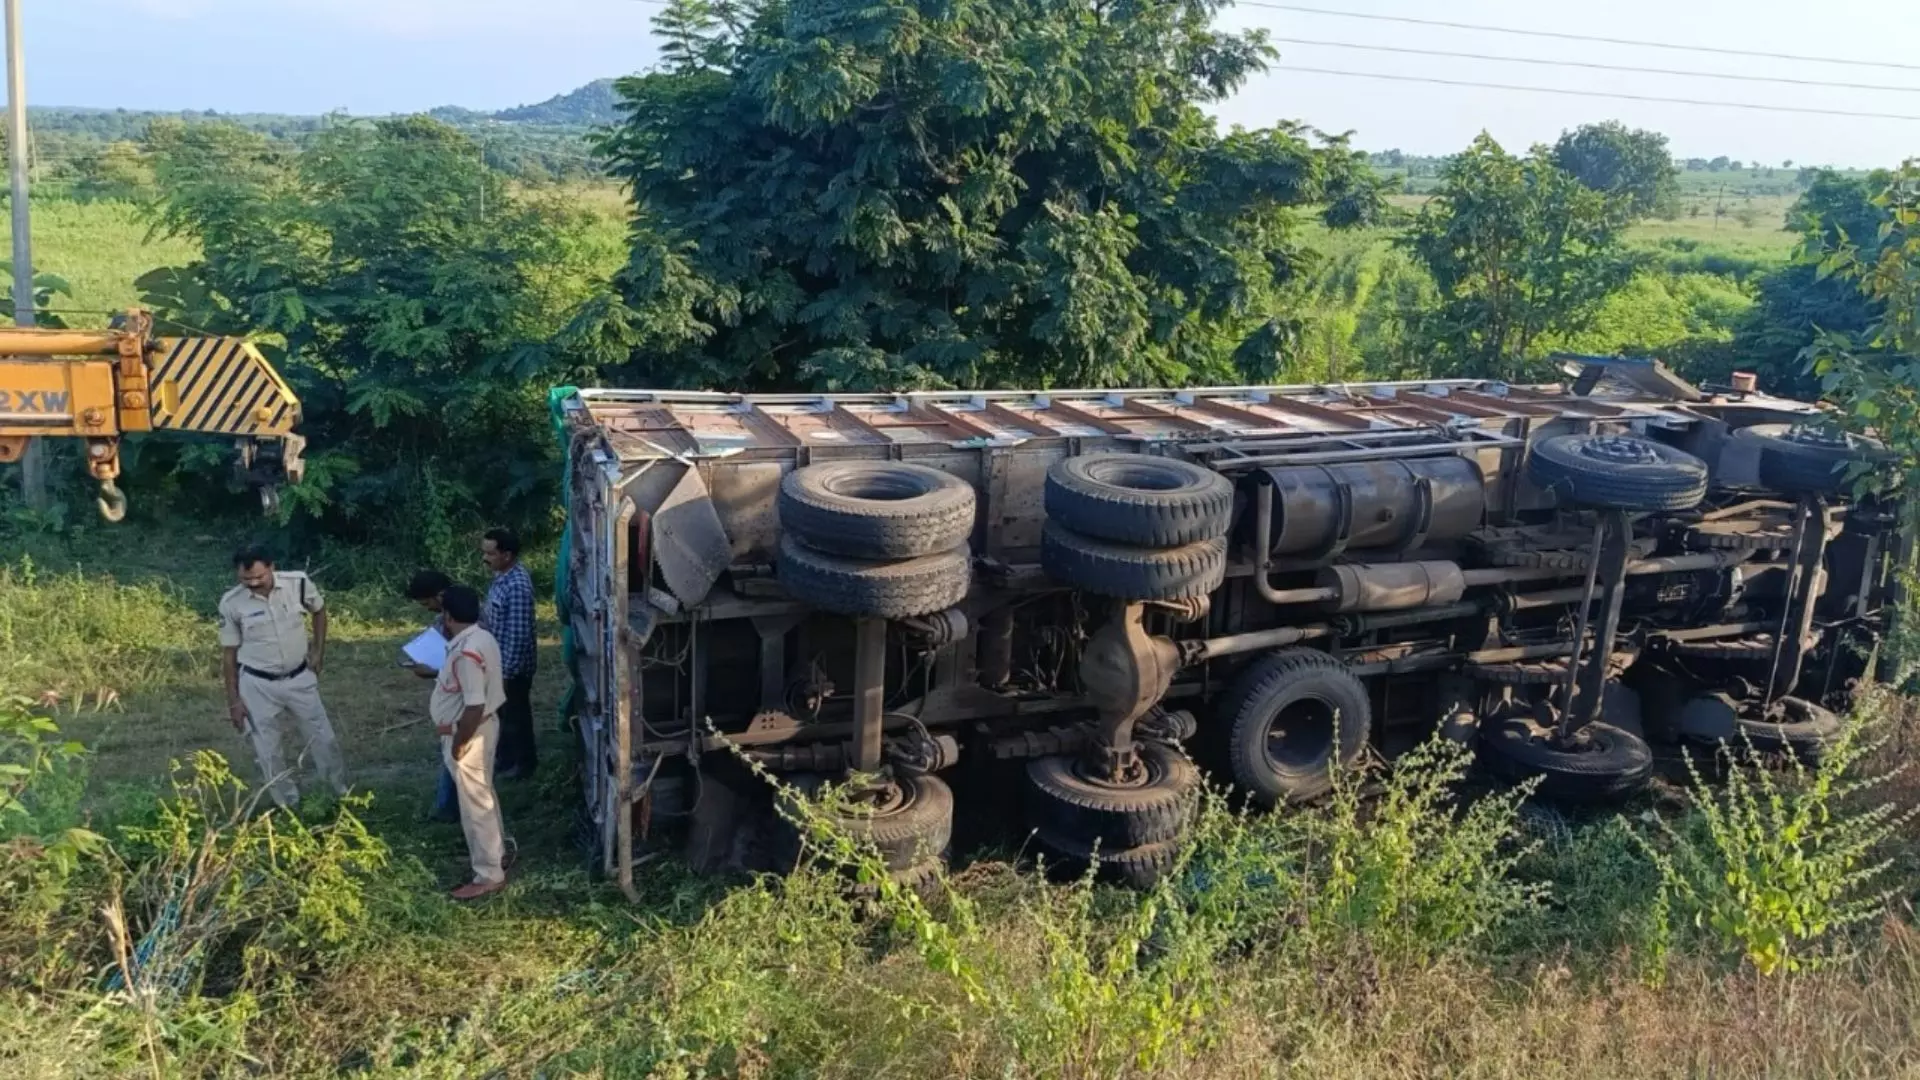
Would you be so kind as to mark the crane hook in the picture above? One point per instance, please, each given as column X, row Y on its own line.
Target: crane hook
column 112, row 501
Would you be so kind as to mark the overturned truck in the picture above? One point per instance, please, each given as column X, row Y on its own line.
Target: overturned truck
column 1038, row 611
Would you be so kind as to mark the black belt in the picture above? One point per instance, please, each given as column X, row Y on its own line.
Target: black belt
column 272, row 677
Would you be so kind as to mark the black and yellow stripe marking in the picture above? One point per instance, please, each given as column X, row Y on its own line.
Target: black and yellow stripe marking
column 219, row 384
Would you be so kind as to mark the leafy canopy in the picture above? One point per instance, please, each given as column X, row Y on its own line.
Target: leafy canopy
column 399, row 283
column 1875, row 373
column 912, row 193
column 1518, row 250
column 1798, row 302
column 1611, row 158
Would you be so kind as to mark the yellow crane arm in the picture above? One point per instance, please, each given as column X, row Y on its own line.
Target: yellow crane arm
column 99, row 384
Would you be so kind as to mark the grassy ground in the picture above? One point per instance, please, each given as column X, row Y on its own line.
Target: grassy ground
column 1431, row 957
column 99, row 248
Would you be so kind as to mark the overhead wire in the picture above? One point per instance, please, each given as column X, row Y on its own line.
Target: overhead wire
column 1639, row 43
column 1614, row 94
column 1596, row 66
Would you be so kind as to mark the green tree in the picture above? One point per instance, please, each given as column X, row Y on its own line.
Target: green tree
column 117, row 172
column 1796, row 302
column 1518, row 250
column 403, row 289
column 909, row 193
column 1610, row 157
column 1874, row 373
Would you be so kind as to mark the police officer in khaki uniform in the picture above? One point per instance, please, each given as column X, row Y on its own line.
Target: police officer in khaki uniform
column 465, row 706
column 271, row 672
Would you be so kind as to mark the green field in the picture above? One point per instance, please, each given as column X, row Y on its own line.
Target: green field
column 100, row 249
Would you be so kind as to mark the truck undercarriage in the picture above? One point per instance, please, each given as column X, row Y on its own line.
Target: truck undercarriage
column 1061, row 596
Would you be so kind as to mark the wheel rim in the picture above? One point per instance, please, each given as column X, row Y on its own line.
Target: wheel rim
column 876, row 486
column 1144, row 774
column 1134, row 476
column 1619, row 450
column 1301, row 734
column 1819, row 436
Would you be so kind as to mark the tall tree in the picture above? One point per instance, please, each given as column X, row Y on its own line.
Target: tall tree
column 1611, row 158
column 1874, row 373
column 910, row 193
column 1797, row 301
column 1517, row 249
column 403, row 289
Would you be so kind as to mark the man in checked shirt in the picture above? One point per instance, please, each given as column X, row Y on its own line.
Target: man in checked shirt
column 509, row 618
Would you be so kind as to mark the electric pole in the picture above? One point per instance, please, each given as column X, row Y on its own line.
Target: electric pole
column 33, row 468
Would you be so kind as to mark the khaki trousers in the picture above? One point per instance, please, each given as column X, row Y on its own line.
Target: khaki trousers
column 479, row 810
column 268, row 703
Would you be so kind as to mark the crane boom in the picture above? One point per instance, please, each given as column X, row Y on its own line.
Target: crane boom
column 98, row 385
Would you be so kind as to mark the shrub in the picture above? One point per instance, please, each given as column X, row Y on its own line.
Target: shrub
column 1770, row 866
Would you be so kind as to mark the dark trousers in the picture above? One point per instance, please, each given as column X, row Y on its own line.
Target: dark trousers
column 516, row 750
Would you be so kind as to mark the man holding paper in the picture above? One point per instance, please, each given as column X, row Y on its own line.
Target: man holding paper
column 424, row 656
column 465, row 707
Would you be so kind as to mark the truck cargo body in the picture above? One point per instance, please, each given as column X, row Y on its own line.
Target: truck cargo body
column 1398, row 531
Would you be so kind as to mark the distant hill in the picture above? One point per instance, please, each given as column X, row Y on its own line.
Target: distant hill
column 591, row 105
column 536, row 142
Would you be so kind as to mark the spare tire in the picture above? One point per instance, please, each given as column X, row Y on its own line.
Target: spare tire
column 1065, row 803
column 1610, row 765
column 913, row 828
column 1621, row 472
column 1290, row 720
column 1137, row 868
column 895, row 589
column 1797, row 727
column 1132, row 573
column 876, row 509
column 1807, row 460
column 1140, row 500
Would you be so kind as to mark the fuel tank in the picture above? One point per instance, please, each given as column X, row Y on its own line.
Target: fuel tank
column 1382, row 505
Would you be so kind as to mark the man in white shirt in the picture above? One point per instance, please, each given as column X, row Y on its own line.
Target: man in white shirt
column 465, row 708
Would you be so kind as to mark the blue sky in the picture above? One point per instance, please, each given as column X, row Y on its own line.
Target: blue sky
column 378, row 56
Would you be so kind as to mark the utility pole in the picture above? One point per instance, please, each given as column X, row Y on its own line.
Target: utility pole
column 33, row 465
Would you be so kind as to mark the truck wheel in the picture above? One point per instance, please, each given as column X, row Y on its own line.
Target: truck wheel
column 1132, row 573
column 894, row 589
column 876, row 509
column 1140, row 500
column 1608, row 766
column 1065, row 804
column 1624, row 472
column 1797, row 727
column 913, row 827
column 1290, row 721
column 1808, row 460
column 1137, row 868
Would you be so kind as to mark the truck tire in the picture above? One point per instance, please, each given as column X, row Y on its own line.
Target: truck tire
column 1801, row 728
column 1064, row 804
column 1132, row 573
column 1804, row 462
column 1139, row 500
column 895, row 589
column 1290, row 720
column 1137, row 868
column 1623, row 472
column 911, row 831
column 1614, row 764
column 876, row 509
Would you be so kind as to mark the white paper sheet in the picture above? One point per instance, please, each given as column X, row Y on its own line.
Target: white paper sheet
column 430, row 648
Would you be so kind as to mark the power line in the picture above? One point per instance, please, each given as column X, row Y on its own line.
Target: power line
column 1560, row 36
column 1599, row 94
column 1544, row 62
